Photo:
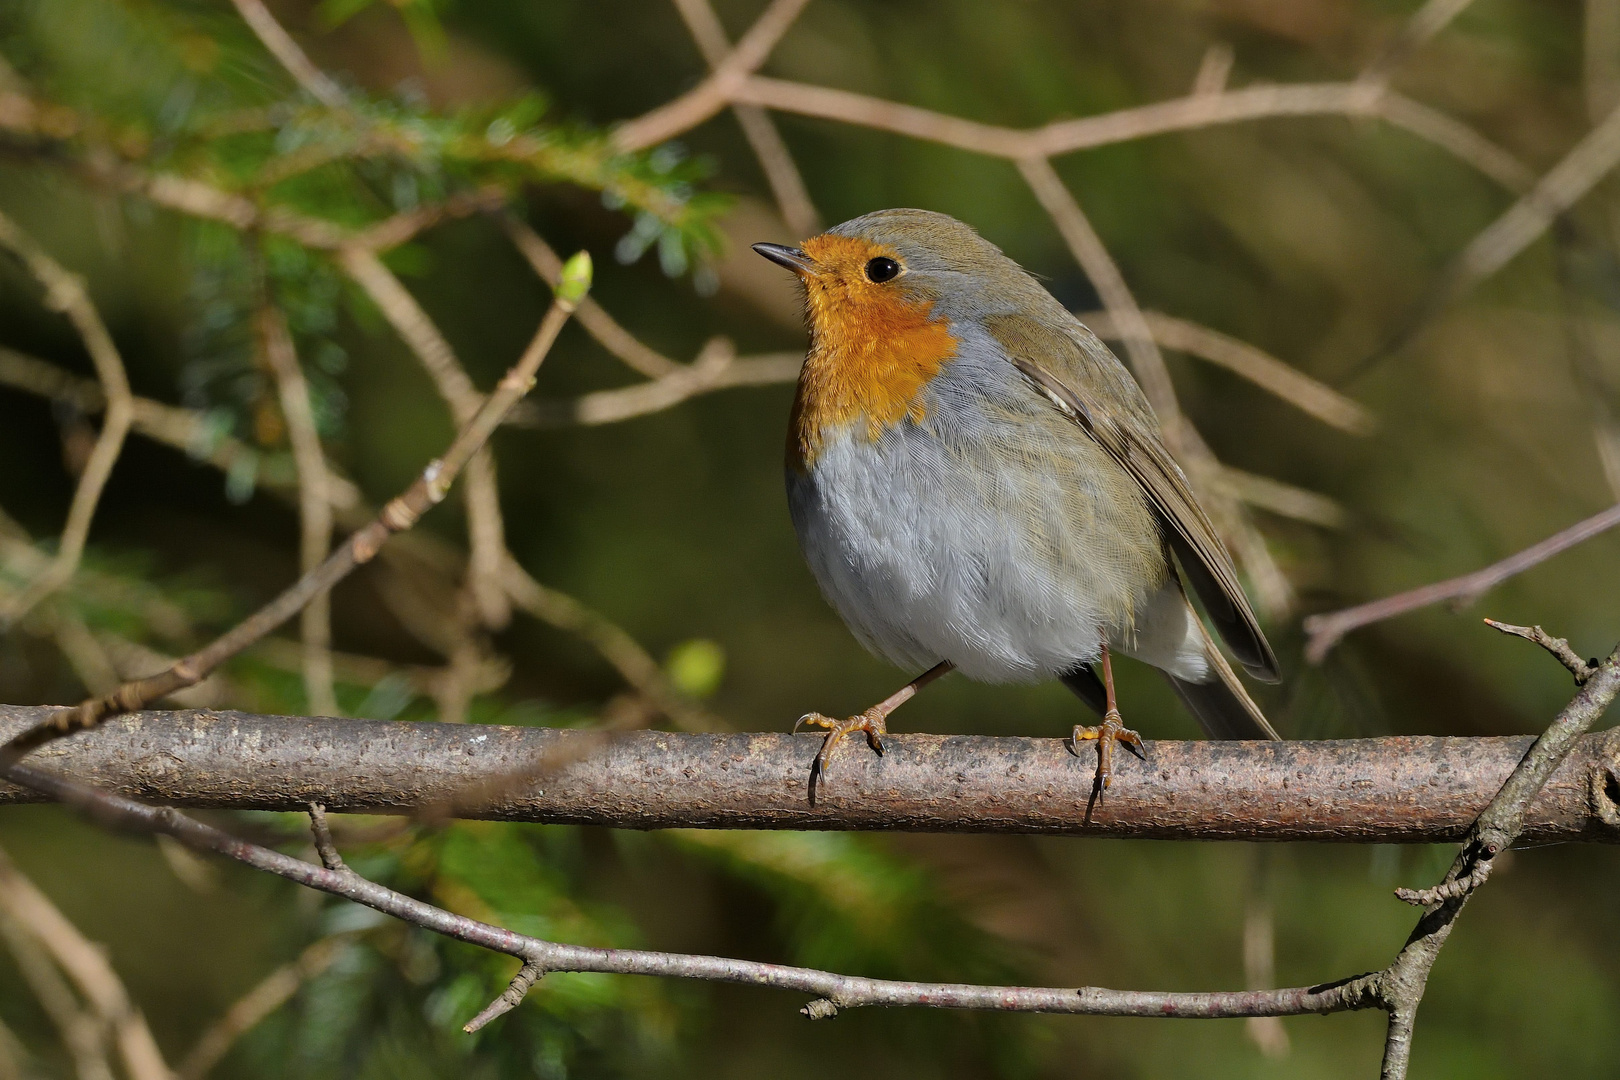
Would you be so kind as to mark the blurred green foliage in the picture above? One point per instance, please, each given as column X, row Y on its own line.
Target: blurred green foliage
column 1313, row 238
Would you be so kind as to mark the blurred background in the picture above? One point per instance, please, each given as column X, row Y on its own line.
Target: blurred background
column 1319, row 239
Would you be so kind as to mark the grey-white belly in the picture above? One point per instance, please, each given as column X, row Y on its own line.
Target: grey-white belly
column 1007, row 567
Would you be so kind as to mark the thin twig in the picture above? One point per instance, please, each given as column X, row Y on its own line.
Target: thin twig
column 715, row 368
column 325, row 846
column 1195, row 110
column 713, row 93
column 1497, row 827
column 1430, row 19
column 833, row 992
column 486, row 531
column 1560, row 188
column 83, row 1036
column 1285, row 500
column 617, row 647
column 1559, row 647
column 400, row 514
column 792, row 198
column 596, row 321
column 1246, row 361
column 65, row 292
column 527, row 975
column 281, row 45
column 1327, row 629
column 87, row 966
column 314, row 505
column 274, row 991
column 1092, row 255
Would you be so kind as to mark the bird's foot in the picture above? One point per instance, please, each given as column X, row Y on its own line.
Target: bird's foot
column 1107, row 733
column 871, row 722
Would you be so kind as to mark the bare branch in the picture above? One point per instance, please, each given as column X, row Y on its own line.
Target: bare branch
column 715, row 92
column 1498, row 826
column 715, row 368
column 1285, row 500
column 486, row 532
column 792, row 198
column 1433, row 17
column 325, row 846
column 1397, row 989
column 272, row 993
column 186, row 430
column 1246, row 361
column 1196, row 110
column 1090, row 252
column 529, row 974
column 1391, row 790
column 1559, row 647
column 833, row 991
column 286, row 51
column 65, row 292
column 1562, row 186
column 1214, row 69
column 597, row 322
column 89, row 969
column 400, row 514
column 1326, row 630
column 82, row 1034
column 314, row 505
column 617, row 647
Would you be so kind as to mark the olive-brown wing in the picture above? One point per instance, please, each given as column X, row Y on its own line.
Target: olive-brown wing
column 1093, row 389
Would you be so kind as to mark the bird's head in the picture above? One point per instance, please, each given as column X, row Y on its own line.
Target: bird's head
column 890, row 267
column 884, row 294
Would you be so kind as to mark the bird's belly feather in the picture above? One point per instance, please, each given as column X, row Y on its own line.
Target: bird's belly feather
column 1015, row 564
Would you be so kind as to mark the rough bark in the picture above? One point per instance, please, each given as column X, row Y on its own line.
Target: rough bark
column 1393, row 790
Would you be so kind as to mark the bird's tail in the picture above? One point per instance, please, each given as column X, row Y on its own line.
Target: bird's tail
column 1222, row 706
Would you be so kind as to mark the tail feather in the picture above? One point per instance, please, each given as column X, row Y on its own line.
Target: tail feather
column 1222, row 706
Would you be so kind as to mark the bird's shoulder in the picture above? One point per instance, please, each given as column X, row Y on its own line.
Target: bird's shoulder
column 1060, row 344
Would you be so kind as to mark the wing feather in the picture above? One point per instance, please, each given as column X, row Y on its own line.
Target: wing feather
column 1136, row 446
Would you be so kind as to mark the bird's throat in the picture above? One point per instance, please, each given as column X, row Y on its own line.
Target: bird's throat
column 869, row 360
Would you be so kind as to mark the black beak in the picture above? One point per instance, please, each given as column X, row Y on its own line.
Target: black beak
column 792, row 258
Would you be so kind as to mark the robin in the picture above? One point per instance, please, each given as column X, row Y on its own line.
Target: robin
column 979, row 484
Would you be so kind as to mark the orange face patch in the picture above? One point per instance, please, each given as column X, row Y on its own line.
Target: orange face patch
column 872, row 349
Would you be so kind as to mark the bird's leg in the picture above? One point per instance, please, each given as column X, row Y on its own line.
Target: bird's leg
column 1110, row 731
column 873, row 721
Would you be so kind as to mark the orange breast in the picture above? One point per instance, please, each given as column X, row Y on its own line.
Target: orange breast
column 872, row 350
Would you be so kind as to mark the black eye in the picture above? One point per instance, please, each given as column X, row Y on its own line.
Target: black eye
column 881, row 269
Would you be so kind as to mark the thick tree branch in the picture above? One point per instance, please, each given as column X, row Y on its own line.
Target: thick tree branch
column 1404, row 790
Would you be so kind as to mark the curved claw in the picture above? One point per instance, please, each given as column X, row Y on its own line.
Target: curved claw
column 814, row 719
column 1107, row 734
column 868, row 722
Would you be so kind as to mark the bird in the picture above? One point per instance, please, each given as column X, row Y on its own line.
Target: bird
column 978, row 484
